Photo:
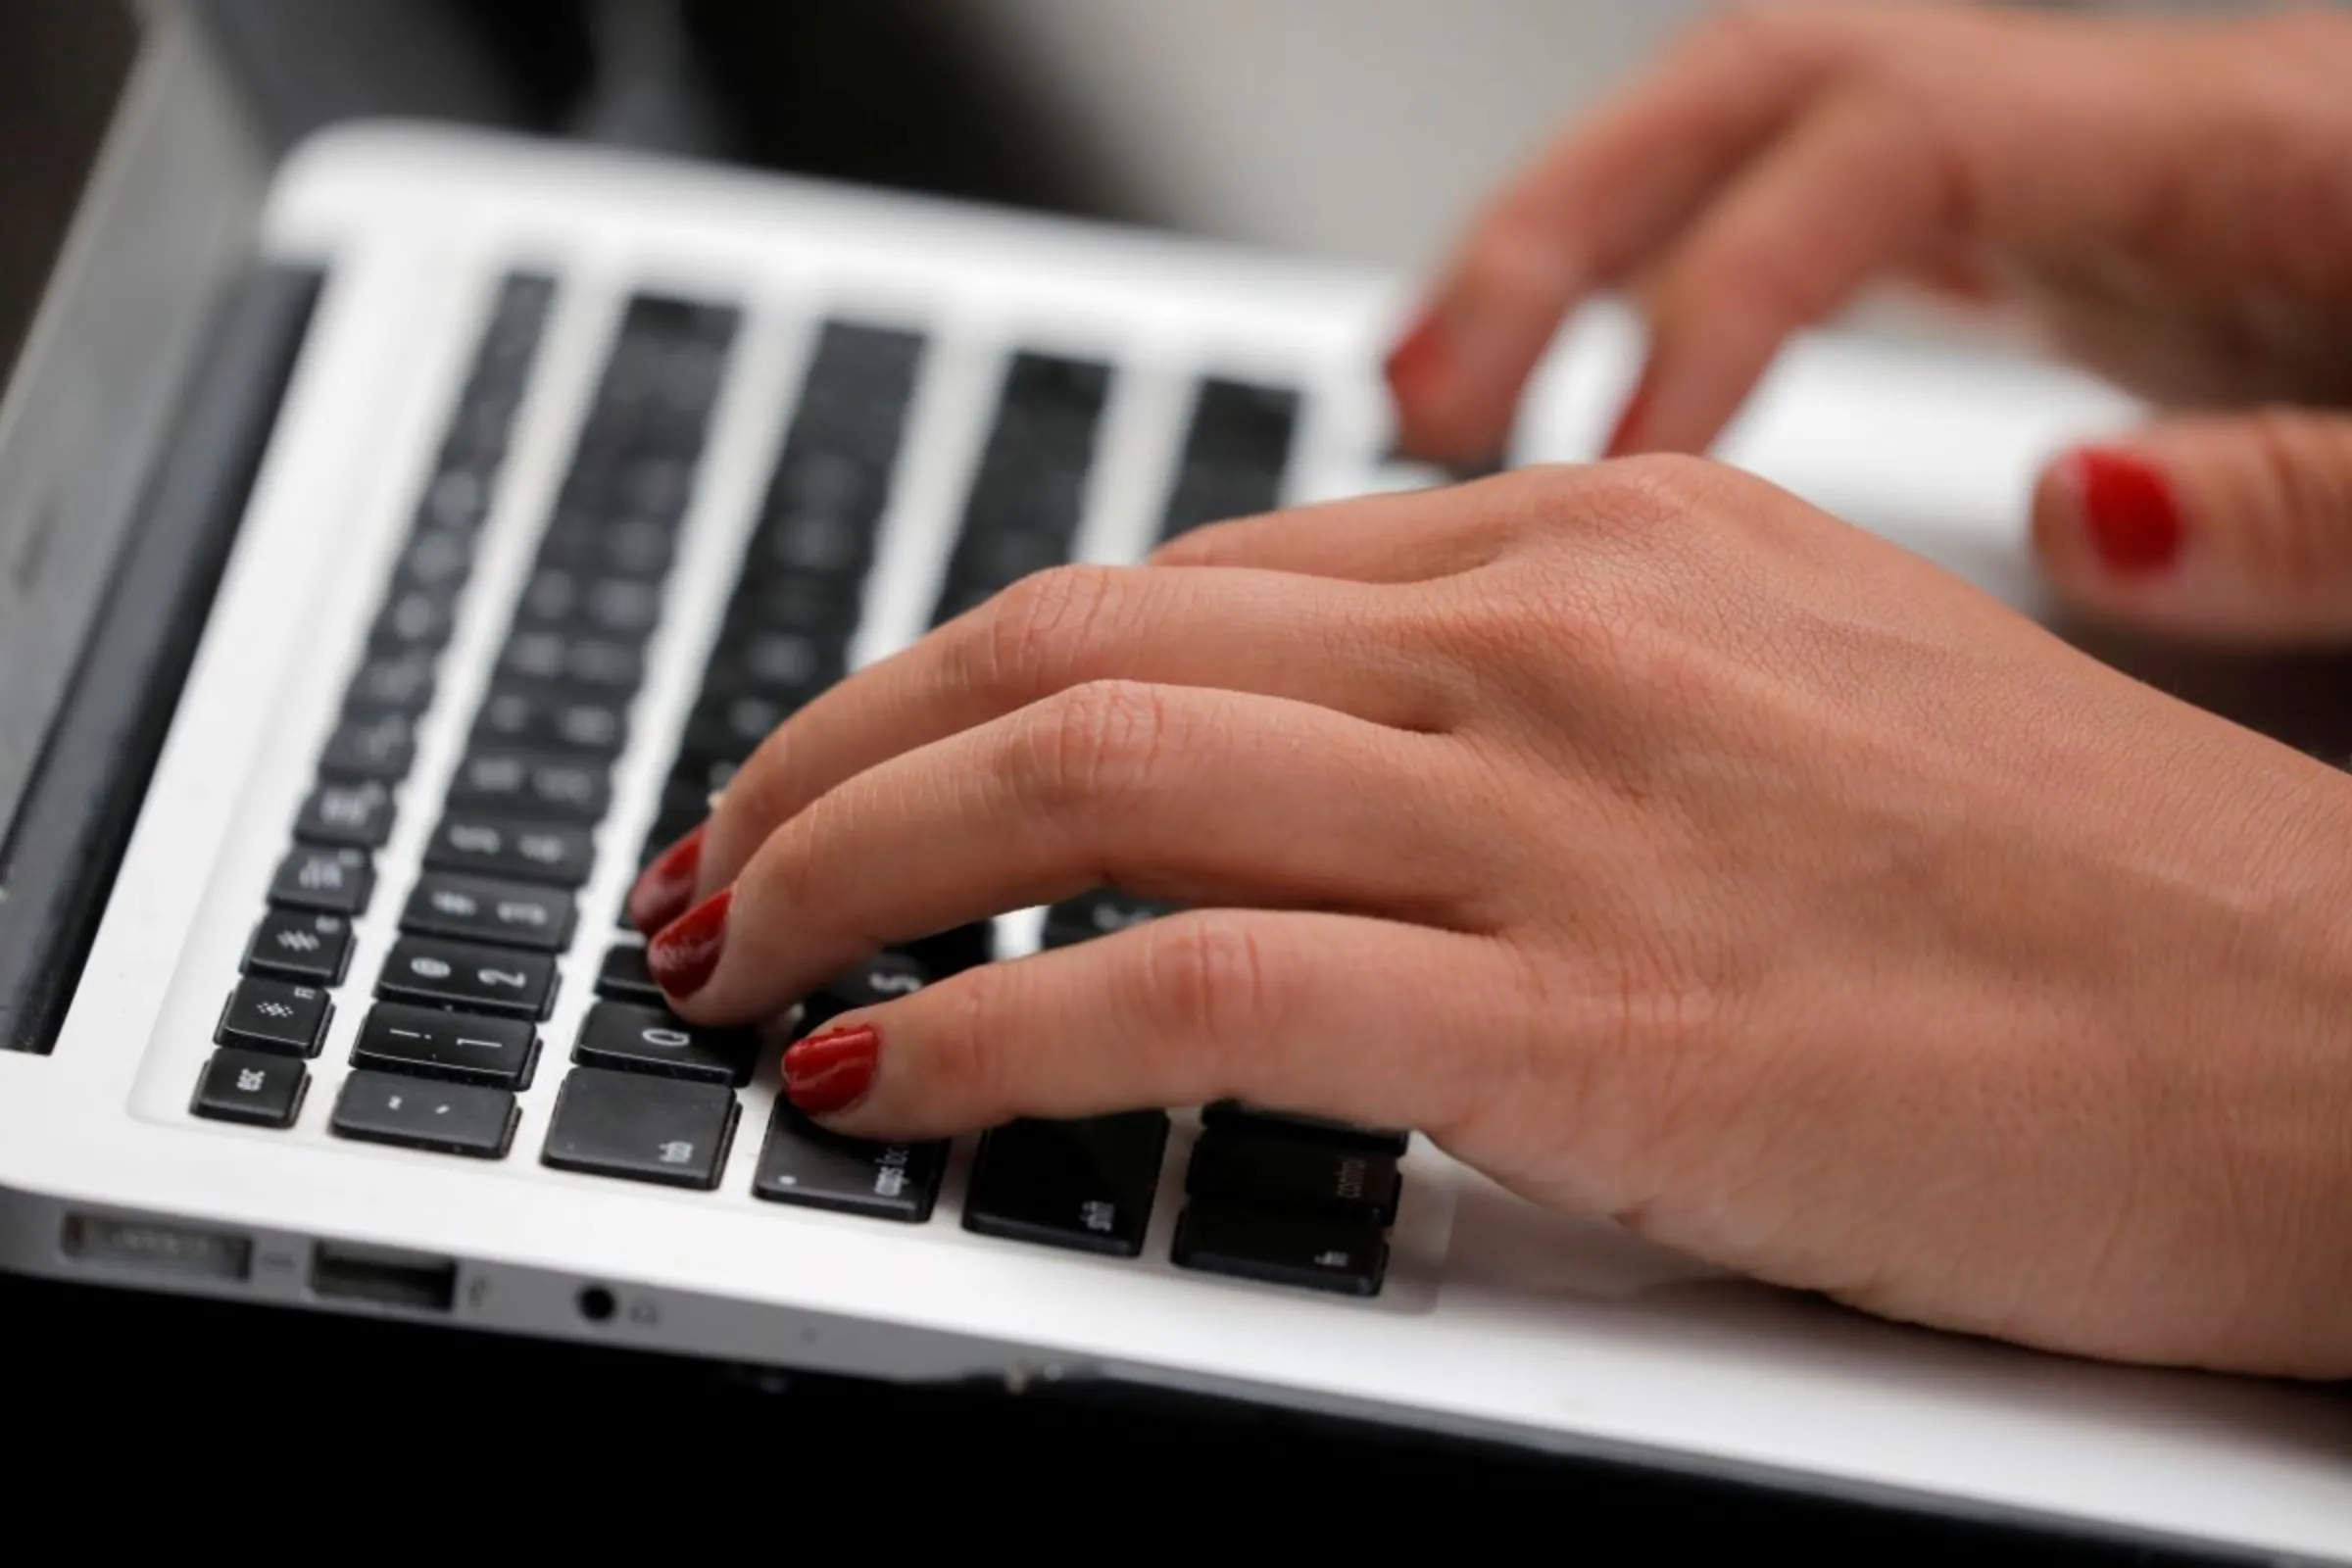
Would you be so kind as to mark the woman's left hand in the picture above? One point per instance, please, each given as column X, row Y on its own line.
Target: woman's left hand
column 1652, row 842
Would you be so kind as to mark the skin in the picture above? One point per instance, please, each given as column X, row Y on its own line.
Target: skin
column 1657, row 844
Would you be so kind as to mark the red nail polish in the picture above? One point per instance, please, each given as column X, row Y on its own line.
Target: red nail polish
column 2130, row 512
column 828, row 1073
column 1418, row 359
column 1630, row 422
column 682, row 957
column 662, row 892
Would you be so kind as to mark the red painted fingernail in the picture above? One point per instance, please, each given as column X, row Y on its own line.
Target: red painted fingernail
column 828, row 1073
column 2128, row 511
column 1629, row 424
column 1418, row 359
column 682, row 957
column 662, row 892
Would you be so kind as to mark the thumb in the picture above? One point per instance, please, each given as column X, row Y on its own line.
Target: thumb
column 2219, row 530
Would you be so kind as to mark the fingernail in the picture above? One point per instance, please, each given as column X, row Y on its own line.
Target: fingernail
column 2130, row 512
column 666, row 887
column 826, row 1074
column 1622, row 440
column 1418, row 359
column 682, row 957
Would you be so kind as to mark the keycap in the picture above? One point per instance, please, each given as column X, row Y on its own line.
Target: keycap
column 806, row 1164
column 1292, row 1173
column 416, row 620
column 623, row 976
column 300, row 945
column 546, row 852
column 382, row 1107
column 357, row 814
column 885, row 977
column 1232, row 1114
column 633, row 1038
column 381, row 747
column 246, row 1086
column 497, row 782
column 663, row 1130
column 318, row 877
column 457, row 974
column 530, row 716
column 473, row 908
column 1237, row 451
column 1085, row 1185
column 277, row 1017
column 1312, row 1252
column 400, row 683
column 598, row 663
column 429, row 1043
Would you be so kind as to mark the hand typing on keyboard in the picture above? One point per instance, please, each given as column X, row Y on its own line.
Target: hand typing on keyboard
column 1654, row 843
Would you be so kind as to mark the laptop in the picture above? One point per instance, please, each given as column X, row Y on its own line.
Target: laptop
column 464, row 507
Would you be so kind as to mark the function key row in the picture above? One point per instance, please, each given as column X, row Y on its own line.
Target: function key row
column 302, row 948
column 454, row 1036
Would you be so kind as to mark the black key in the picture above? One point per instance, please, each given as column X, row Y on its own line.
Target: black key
column 393, row 683
column 1312, row 1252
column 431, row 1044
column 953, row 951
column 338, row 881
column 275, row 1016
column 530, row 716
column 1292, row 1173
column 381, row 747
column 1085, row 1185
column 1231, row 1115
column 625, row 977
column 245, row 1086
column 796, row 601
column 435, row 559
column 559, row 857
column 596, row 663
column 733, row 727
column 476, row 909
column 455, row 974
column 641, row 1129
column 530, row 787
column 806, row 540
column 885, row 977
column 382, row 1107
column 416, row 620
column 300, row 945
column 1099, row 914
column 803, row 1163
column 632, row 1038
column 359, row 814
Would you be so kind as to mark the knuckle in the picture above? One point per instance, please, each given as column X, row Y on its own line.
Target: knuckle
column 2301, row 482
column 1095, row 742
column 965, row 1062
column 1206, row 978
column 1037, row 634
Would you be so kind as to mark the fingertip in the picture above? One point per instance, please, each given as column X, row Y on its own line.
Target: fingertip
column 829, row 1075
column 2106, row 514
column 665, row 889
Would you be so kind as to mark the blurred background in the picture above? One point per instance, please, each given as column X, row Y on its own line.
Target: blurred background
column 1358, row 130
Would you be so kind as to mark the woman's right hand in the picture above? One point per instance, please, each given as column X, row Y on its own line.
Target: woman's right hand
column 2171, row 201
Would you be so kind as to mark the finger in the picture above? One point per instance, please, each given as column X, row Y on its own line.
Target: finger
column 1172, row 792
column 1320, row 1014
column 1412, row 537
column 1590, row 210
column 1858, row 189
column 1280, row 635
column 2227, row 529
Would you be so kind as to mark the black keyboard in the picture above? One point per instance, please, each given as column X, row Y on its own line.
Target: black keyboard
column 451, row 1036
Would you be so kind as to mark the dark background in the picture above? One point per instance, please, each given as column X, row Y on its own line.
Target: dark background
column 877, row 91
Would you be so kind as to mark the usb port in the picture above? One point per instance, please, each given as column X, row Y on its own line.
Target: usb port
column 409, row 1281
column 165, row 1252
